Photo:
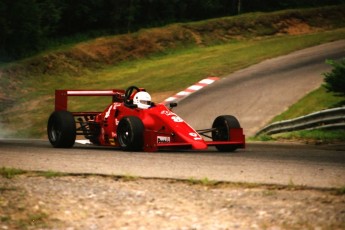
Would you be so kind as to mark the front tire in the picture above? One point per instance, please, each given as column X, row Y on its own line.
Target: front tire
column 223, row 124
column 61, row 129
column 130, row 133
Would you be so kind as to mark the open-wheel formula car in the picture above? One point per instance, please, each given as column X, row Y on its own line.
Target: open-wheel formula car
column 133, row 123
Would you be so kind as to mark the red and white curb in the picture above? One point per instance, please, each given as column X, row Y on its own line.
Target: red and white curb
column 191, row 89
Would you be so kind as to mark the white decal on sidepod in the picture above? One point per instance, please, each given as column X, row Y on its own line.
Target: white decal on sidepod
column 107, row 114
column 163, row 139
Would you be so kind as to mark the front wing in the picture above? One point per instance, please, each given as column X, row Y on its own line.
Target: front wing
column 237, row 138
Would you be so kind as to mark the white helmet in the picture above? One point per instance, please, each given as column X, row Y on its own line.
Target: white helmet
column 142, row 100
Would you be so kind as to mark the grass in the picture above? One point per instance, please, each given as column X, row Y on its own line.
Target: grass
column 317, row 136
column 36, row 220
column 9, row 173
column 50, row 174
column 129, row 177
column 204, row 182
column 316, row 100
column 340, row 191
column 6, row 188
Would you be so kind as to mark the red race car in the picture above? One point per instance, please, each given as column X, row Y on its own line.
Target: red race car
column 133, row 123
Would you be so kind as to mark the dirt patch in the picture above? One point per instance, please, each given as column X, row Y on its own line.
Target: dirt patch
column 96, row 202
column 295, row 26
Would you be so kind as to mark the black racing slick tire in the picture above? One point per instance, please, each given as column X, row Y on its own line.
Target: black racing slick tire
column 61, row 129
column 222, row 126
column 130, row 133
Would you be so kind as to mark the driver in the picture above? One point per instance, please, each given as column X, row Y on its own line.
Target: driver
column 142, row 99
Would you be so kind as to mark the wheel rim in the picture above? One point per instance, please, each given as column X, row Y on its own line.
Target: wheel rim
column 222, row 126
column 125, row 135
column 54, row 133
column 221, row 132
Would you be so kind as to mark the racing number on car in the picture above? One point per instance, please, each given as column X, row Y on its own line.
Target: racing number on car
column 195, row 135
column 174, row 117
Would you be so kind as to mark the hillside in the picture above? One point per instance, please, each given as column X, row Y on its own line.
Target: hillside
column 26, row 87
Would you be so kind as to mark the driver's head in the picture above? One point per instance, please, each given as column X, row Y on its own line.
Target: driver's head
column 142, row 100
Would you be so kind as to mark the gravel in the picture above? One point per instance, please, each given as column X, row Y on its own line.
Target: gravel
column 35, row 201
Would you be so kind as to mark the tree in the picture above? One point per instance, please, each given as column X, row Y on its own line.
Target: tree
column 236, row 7
column 335, row 80
column 20, row 29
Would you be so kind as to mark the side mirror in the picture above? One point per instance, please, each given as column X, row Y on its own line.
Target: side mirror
column 172, row 105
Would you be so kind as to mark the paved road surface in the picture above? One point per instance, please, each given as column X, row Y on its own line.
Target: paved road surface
column 258, row 93
column 258, row 163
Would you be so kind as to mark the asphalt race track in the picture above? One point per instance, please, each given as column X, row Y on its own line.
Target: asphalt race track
column 254, row 95
column 288, row 164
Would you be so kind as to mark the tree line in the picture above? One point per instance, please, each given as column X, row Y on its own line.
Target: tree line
column 29, row 26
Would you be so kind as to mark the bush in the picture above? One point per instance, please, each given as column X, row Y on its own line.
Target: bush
column 335, row 80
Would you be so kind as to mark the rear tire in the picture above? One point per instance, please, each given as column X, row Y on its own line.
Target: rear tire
column 130, row 133
column 61, row 129
column 223, row 124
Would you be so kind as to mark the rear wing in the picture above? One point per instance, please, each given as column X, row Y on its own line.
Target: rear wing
column 61, row 96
